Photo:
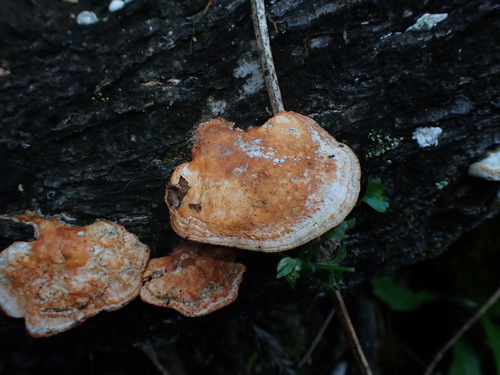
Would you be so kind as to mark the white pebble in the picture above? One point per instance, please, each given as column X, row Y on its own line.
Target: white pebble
column 427, row 137
column 427, row 21
column 86, row 18
column 116, row 5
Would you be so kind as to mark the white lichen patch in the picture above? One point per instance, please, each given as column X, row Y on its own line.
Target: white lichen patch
column 240, row 171
column 86, row 18
column 320, row 42
column 116, row 5
column 253, row 149
column 216, row 107
column 250, row 70
column 427, row 22
column 487, row 168
column 427, row 137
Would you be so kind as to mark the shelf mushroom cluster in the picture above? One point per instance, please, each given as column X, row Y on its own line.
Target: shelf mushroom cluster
column 271, row 188
column 71, row 273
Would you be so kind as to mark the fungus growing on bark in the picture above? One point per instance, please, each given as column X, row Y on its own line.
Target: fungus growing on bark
column 488, row 167
column 195, row 279
column 271, row 188
column 69, row 273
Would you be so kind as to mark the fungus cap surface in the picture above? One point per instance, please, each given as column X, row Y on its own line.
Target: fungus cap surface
column 195, row 279
column 69, row 273
column 271, row 188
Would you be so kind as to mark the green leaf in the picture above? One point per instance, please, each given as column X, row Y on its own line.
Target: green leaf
column 398, row 296
column 288, row 265
column 290, row 269
column 493, row 335
column 464, row 360
column 334, row 264
column 338, row 233
column 375, row 195
column 341, row 254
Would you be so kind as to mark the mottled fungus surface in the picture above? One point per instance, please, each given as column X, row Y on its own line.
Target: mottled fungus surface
column 195, row 279
column 69, row 273
column 270, row 188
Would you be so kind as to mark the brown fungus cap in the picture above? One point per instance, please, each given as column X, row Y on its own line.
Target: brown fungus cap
column 195, row 279
column 270, row 188
column 69, row 273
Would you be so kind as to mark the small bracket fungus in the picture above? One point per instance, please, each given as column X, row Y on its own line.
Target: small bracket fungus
column 195, row 279
column 271, row 188
column 69, row 273
column 487, row 168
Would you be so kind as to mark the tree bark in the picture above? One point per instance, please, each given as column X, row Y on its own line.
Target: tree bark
column 95, row 118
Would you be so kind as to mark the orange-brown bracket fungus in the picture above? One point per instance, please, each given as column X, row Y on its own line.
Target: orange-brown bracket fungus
column 270, row 188
column 195, row 279
column 69, row 273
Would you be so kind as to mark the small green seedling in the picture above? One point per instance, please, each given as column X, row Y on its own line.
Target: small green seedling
column 307, row 264
column 375, row 195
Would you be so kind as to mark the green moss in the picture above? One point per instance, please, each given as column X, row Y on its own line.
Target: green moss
column 99, row 95
column 441, row 184
column 382, row 143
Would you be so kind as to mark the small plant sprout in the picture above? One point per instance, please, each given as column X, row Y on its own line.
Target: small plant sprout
column 375, row 195
column 441, row 184
column 309, row 261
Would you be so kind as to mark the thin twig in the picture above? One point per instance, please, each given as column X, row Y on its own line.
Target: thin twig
column 439, row 355
column 352, row 337
column 318, row 337
column 266, row 56
column 167, row 362
column 151, row 353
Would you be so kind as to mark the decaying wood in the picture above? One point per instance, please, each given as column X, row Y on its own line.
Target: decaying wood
column 93, row 119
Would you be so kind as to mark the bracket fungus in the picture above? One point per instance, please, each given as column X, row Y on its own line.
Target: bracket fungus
column 195, row 279
column 271, row 188
column 488, row 167
column 69, row 273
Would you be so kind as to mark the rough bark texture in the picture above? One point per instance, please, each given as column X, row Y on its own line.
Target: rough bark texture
column 95, row 118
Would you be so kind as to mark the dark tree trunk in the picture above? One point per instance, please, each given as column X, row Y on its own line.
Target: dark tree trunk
column 95, row 118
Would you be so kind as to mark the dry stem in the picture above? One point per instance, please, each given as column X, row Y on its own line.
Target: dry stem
column 352, row 337
column 266, row 55
column 494, row 297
